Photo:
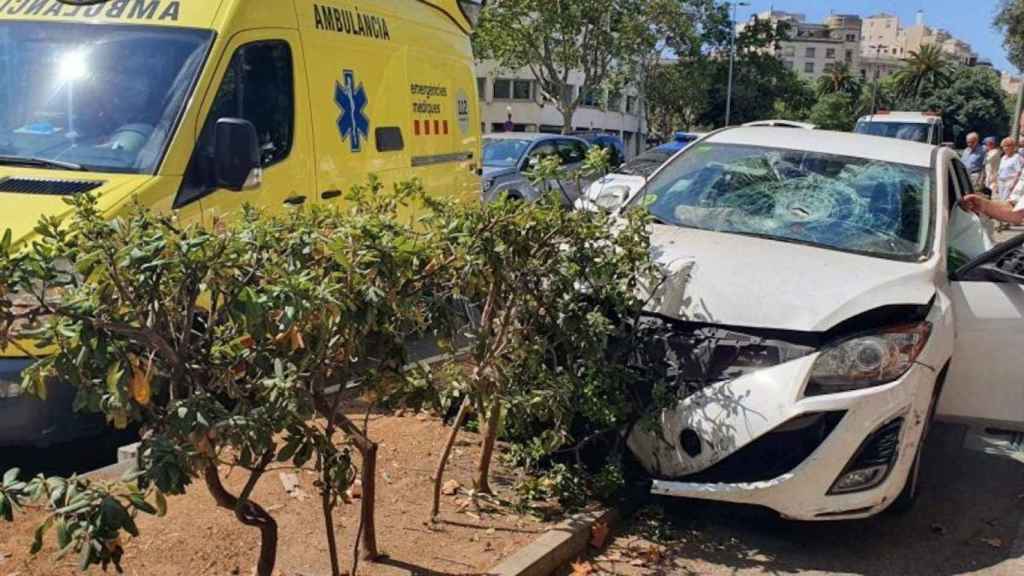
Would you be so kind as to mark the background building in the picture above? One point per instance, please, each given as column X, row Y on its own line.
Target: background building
column 505, row 94
column 885, row 34
column 812, row 48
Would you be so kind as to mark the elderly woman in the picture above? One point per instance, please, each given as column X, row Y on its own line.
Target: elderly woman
column 992, row 157
column 1010, row 167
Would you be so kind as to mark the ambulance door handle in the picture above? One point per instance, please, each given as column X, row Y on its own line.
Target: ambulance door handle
column 295, row 200
column 330, row 194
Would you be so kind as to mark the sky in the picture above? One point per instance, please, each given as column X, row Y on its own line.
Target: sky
column 970, row 21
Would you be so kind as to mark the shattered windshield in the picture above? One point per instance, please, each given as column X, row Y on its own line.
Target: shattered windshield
column 915, row 132
column 838, row 202
column 107, row 98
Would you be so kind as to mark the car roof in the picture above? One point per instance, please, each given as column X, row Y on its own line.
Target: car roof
column 839, row 143
column 531, row 136
column 782, row 124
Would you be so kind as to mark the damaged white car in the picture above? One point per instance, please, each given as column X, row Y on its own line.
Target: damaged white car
column 825, row 298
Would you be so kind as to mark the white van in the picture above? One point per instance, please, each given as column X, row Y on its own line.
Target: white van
column 924, row 127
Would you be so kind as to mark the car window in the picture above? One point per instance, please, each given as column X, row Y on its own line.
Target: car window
column 852, row 204
column 571, row 151
column 963, row 187
column 258, row 86
column 543, row 149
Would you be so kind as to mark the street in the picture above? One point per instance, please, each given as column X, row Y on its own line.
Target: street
column 966, row 521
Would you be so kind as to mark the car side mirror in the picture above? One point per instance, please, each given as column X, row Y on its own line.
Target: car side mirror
column 236, row 161
column 984, row 267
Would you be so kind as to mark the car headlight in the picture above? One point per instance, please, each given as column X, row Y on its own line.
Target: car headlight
column 868, row 360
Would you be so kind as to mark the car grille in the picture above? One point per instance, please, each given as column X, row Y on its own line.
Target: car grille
column 47, row 187
column 776, row 453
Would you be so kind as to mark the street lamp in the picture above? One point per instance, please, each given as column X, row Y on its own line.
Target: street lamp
column 732, row 60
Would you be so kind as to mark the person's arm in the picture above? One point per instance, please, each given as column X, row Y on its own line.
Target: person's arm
column 995, row 209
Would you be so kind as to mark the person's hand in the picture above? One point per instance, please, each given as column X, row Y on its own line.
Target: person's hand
column 972, row 203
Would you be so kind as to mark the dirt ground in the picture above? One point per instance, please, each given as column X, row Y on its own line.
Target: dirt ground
column 197, row 539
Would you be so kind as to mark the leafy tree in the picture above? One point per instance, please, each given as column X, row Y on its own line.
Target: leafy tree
column 222, row 345
column 1010, row 20
column 839, row 80
column 833, row 112
column 973, row 102
column 927, row 70
column 584, row 44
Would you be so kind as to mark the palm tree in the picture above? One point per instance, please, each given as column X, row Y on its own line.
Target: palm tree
column 839, row 80
column 927, row 70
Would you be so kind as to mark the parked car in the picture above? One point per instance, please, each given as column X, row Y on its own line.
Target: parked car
column 201, row 107
column 782, row 124
column 924, row 127
column 816, row 315
column 508, row 156
column 615, row 146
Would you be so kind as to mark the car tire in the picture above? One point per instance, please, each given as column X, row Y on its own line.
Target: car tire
column 904, row 502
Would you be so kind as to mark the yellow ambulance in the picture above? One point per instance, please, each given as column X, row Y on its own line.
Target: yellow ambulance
column 201, row 106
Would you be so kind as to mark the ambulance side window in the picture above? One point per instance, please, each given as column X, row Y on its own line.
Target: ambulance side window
column 258, row 86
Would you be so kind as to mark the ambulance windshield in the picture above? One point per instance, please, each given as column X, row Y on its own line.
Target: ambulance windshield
column 107, row 98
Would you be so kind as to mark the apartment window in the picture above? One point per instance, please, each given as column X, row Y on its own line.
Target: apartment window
column 615, row 101
column 810, row 53
column 502, row 89
column 851, row 37
column 789, row 52
column 592, row 98
column 568, row 92
column 809, row 67
column 849, row 55
column 522, row 90
column 789, row 64
column 481, row 88
column 630, row 104
column 830, row 54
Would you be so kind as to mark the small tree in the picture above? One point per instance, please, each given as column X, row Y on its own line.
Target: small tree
column 223, row 346
column 553, row 285
column 833, row 112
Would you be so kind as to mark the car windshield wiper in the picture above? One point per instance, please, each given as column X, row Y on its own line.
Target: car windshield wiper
column 42, row 163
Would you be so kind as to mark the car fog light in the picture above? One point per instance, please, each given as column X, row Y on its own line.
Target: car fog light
column 860, row 480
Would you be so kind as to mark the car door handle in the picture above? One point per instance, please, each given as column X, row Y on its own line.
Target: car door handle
column 330, row 194
column 295, row 200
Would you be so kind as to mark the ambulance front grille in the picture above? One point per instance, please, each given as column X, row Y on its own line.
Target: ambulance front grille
column 43, row 187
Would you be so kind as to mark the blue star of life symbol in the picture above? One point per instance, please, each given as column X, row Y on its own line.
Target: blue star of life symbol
column 351, row 99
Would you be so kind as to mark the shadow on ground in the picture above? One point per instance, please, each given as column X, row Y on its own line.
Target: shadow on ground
column 966, row 520
column 67, row 459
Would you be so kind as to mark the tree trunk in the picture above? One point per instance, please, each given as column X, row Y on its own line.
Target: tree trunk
column 368, row 452
column 443, row 460
column 482, row 483
column 249, row 513
column 568, row 112
column 328, row 509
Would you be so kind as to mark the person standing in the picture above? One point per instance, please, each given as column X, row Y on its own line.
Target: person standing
column 973, row 158
column 992, row 157
column 1010, row 167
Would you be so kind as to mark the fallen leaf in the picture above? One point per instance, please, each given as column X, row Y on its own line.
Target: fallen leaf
column 451, row 488
column 582, row 569
column 355, row 490
column 993, row 542
column 599, row 534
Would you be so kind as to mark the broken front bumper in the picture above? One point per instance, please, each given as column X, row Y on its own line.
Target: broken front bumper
column 759, row 440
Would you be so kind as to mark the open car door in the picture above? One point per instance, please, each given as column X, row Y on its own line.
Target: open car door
column 985, row 383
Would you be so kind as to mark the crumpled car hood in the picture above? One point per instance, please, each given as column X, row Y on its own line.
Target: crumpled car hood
column 734, row 280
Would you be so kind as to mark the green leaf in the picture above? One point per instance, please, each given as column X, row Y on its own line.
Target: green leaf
column 5, row 244
column 114, row 374
column 37, row 540
column 142, row 505
column 6, row 509
column 10, row 476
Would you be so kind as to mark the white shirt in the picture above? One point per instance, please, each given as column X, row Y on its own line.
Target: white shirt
column 1009, row 172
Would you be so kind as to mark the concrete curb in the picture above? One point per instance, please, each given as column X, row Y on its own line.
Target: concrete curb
column 556, row 547
column 126, row 459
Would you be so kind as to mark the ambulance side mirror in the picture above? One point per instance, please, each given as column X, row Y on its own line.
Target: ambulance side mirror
column 236, row 159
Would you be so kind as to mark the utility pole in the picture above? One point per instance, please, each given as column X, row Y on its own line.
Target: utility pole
column 878, row 74
column 732, row 61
